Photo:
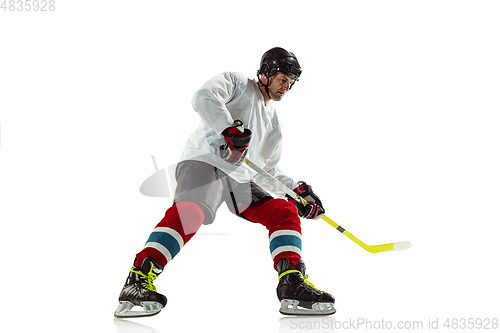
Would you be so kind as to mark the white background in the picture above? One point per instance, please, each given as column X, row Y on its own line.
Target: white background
column 395, row 122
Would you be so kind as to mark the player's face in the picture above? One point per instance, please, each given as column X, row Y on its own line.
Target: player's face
column 280, row 84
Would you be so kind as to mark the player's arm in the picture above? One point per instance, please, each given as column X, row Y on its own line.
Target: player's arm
column 210, row 103
column 211, row 99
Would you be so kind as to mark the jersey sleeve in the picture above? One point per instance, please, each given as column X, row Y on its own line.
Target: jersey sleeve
column 211, row 99
column 280, row 175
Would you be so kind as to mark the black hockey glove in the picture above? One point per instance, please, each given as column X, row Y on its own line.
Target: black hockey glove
column 237, row 139
column 314, row 207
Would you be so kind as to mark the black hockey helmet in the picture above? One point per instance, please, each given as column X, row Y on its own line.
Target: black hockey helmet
column 279, row 60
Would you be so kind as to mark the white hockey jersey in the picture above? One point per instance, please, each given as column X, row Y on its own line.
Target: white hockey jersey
column 223, row 99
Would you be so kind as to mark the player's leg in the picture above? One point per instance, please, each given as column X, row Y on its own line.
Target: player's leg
column 280, row 217
column 196, row 200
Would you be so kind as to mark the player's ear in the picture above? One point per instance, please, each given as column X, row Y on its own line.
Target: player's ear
column 264, row 79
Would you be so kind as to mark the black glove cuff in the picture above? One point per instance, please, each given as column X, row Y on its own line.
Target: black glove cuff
column 240, row 141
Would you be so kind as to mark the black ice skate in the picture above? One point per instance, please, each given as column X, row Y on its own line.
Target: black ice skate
column 295, row 291
column 140, row 291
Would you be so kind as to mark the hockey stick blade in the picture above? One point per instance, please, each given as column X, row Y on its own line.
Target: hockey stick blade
column 398, row 246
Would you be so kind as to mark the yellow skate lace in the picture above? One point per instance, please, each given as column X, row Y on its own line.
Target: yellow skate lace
column 304, row 277
column 148, row 279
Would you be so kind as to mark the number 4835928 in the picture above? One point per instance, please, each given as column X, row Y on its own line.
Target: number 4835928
column 28, row 5
column 471, row 323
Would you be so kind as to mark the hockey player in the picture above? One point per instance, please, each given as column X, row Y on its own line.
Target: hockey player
column 238, row 119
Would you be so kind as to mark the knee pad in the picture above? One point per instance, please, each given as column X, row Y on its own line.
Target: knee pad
column 191, row 215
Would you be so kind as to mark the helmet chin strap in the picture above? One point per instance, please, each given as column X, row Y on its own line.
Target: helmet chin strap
column 266, row 86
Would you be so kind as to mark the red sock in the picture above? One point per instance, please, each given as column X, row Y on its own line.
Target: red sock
column 280, row 217
column 179, row 225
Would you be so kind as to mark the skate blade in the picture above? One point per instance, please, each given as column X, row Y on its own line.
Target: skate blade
column 291, row 307
column 150, row 309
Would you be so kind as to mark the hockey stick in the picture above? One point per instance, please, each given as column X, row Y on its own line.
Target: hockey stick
column 370, row 248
